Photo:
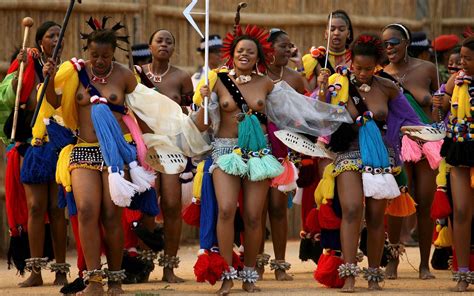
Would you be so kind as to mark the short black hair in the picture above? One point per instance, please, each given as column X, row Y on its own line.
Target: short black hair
column 105, row 36
column 274, row 33
column 368, row 44
column 159, row 30
column 469, row 43
column 42, row 31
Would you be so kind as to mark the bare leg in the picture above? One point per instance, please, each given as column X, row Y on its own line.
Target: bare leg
column 395, row 228
column 261, row 269
column 349, row 187
column 375, row 210
column 111, row 216
column 36, row 198
column 425, row 188
column 463, row 209
column 88, row 190
column 278, row 214
column 255, row 194
column 171, row 207
column 58, row 232
column 227, row 189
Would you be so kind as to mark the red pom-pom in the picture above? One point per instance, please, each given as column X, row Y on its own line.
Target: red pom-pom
column 192, row 214
column 327, row 217
column 201, row 267
column 440, row 208
column 326, row 272
column 312, row 222
column 209, row 267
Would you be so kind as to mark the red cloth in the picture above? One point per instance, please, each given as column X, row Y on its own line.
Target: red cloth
column 326, row 273
column 445, row 42
column 28, row 77
column 128, row 217
column 15, row 197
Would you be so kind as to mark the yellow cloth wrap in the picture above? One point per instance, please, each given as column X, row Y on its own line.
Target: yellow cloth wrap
column 212, row 76
column 310, row 63
column 39, row 128
column 63, row 176
column 66, row 83
column 444, row 238
column 343, row 93
column 461, row 96
column 197, row 185
column 325, row 189
column 441, row 178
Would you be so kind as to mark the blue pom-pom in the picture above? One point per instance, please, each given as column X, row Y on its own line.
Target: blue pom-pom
column 61, row 197
column 39, row 165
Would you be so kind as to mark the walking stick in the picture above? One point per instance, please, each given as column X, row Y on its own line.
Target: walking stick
column 27, row 23
column 54, row 57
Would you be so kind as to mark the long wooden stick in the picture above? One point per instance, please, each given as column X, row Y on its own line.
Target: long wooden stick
column 55, row 58
column 27, row 23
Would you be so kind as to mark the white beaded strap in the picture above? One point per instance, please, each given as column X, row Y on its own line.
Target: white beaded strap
column 279, row 265
column 348, row 269
column 248, row 275
column 373, row 274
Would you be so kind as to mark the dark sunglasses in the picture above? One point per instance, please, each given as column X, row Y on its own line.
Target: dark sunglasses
column 392, row 42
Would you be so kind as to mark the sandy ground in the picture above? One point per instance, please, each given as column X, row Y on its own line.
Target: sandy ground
column 303, row 284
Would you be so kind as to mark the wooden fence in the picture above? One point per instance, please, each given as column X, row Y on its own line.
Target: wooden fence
column 304, row 20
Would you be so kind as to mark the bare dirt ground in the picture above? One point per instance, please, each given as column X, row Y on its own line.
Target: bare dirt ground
column 303, row 284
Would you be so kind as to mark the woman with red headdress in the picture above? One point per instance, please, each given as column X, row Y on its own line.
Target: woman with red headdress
column 366, row 162
column 240, row 101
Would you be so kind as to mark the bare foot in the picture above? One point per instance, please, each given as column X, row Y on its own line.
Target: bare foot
column 349, row 283
column 170, row 277
column 93, row 289
column 115, row 288
column 281, row 275
column 391, row 272
column 374, row 286
column 425, row 274
column 460, row 287
column 60, row 279
column 33, row 280
column 225, row 288
column 260, row 271
column 250, row 287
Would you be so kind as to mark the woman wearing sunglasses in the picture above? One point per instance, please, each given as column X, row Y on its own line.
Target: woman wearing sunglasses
column 417, row 79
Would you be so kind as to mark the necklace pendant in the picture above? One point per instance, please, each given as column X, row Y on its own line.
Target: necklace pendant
column 157, row 79
column 364, row 88
column 99, row 80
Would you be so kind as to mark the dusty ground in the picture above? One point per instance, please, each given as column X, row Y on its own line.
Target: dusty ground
column 303, row 283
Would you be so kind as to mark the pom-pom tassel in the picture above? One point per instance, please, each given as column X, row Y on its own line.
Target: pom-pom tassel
column 410, row 150
column 326, row 273
column 142, row 178
column 121, row 190
column 391, row 187
column 257, row 170
column 287, row 176
column 440, row 208
column 402, row 206
column 431, row 150
column 444, row 237
column 233, row 164
column 192, row 213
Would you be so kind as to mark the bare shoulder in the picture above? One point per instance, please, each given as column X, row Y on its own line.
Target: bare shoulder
column 424, row 65
column 180, row 72
column 266, row 82
column 389, row 86
column 128, row 76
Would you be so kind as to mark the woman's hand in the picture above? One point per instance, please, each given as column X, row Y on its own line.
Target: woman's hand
column 204, row 91
column 22, row 56
column 49, row 68
column 323, row 78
